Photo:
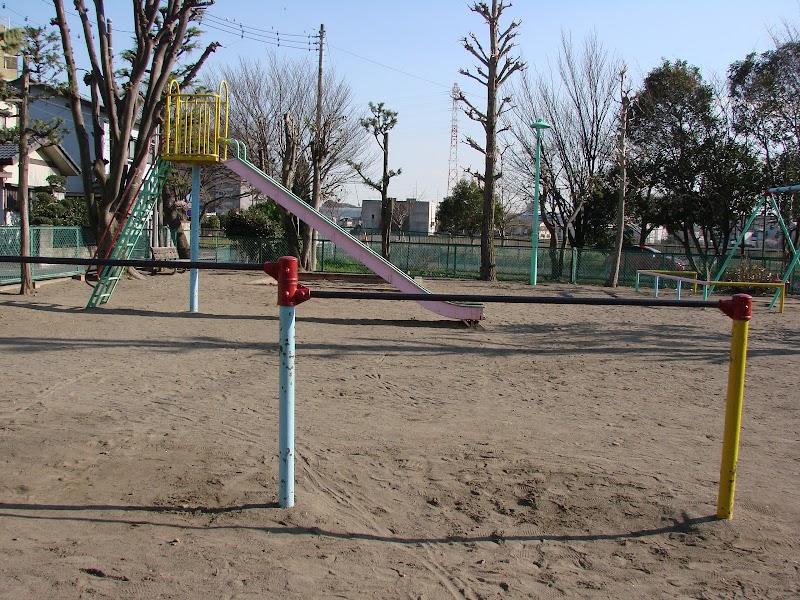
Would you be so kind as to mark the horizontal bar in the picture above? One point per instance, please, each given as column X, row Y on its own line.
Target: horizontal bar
column 671, row 277
column 145, row 264
column 477, row 298
column 355, row 295
column 756, row 284
column 786, row 188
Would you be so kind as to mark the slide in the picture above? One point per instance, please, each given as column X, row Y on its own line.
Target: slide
column 366, row 256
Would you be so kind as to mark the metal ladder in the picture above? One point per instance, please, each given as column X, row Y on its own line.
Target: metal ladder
column 131, row 231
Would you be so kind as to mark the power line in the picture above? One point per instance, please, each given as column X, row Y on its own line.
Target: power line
column 375, row 62
column 255, row 30
column 25, row 18
column 241, row 34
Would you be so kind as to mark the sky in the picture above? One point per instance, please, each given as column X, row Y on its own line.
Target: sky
column 408, row 54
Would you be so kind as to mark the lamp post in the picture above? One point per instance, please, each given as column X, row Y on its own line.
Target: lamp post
column 538, row 126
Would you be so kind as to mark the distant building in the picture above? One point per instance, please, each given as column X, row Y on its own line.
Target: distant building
column 410, row 216
column 229, row 193
column 344, row 215
column 521, row 224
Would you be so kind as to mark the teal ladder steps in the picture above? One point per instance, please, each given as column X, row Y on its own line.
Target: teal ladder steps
column 132, row 230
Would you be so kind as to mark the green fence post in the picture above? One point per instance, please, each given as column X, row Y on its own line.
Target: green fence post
column 574, row 274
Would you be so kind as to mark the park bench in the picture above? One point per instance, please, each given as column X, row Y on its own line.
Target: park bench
column 165, row 253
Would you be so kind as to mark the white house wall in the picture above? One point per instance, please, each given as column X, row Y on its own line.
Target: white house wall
column 38, row 172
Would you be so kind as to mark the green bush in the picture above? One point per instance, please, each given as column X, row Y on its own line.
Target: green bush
column 49, row 210
column 211, row 222
column 259, row 221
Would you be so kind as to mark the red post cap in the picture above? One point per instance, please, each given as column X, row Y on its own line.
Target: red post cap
column 738, row 308
column 290, row 292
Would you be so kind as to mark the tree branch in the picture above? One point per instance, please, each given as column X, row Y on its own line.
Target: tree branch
column 483, row 81
column 358, row 168
column 476, row 50
column 472, row 112
column 474, row 145
column 192, row 73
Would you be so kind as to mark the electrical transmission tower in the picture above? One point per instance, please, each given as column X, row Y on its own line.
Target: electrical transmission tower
column 452, row 173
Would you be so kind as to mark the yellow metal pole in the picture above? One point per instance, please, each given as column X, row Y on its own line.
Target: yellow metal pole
column 223, row 85
column 740, row 309
column 783, row 298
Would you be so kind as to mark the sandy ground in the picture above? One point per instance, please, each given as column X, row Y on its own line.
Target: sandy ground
column 552, row 452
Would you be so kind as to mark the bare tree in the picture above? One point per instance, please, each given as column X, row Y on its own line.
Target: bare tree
column 379, row 124
column 272, row 111
column 494, row 68
column 133, row 98
column 401, row 216
column 577, row 101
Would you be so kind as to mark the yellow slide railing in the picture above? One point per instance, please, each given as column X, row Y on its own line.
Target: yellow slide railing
column 196, row 125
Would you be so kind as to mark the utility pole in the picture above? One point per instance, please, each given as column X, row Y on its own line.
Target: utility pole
column 316, row 155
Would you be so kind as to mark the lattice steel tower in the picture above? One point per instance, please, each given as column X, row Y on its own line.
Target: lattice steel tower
column 452, row 172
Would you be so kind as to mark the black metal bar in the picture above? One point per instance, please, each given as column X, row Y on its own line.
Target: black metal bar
column 145, row 264
column 354, row 295
column 479, row 298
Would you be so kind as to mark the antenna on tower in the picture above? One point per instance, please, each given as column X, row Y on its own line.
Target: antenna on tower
column 452, row 172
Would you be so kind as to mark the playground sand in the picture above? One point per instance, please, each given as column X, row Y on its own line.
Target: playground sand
column 553, row 451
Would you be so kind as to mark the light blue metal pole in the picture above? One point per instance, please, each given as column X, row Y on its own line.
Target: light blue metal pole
column 286, row 409
column 194, row 274
column 537, row 126
column 290, row 293
column 535, row 229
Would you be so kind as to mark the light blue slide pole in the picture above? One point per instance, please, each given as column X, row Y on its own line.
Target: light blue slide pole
column 286, row 409
column 290, row 293
column 194, row 274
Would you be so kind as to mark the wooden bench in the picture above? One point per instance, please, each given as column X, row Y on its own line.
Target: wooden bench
column 165, row 253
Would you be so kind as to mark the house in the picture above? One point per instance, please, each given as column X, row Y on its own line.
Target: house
column 44, row 162
column 47, row 109
column 58, row 107
column 9, row 63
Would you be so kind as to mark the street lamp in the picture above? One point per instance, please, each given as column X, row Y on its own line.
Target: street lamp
column 538, row 126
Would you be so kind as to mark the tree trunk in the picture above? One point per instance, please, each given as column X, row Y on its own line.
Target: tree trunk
column 387, row 204
column 75, row 105
column 488, row 270
column 172, row 218
column 26, row 281
column 613, row 277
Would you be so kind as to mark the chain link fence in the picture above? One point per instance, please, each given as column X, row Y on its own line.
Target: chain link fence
column 583, row 266
column 65, row 242
column 445, row 257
